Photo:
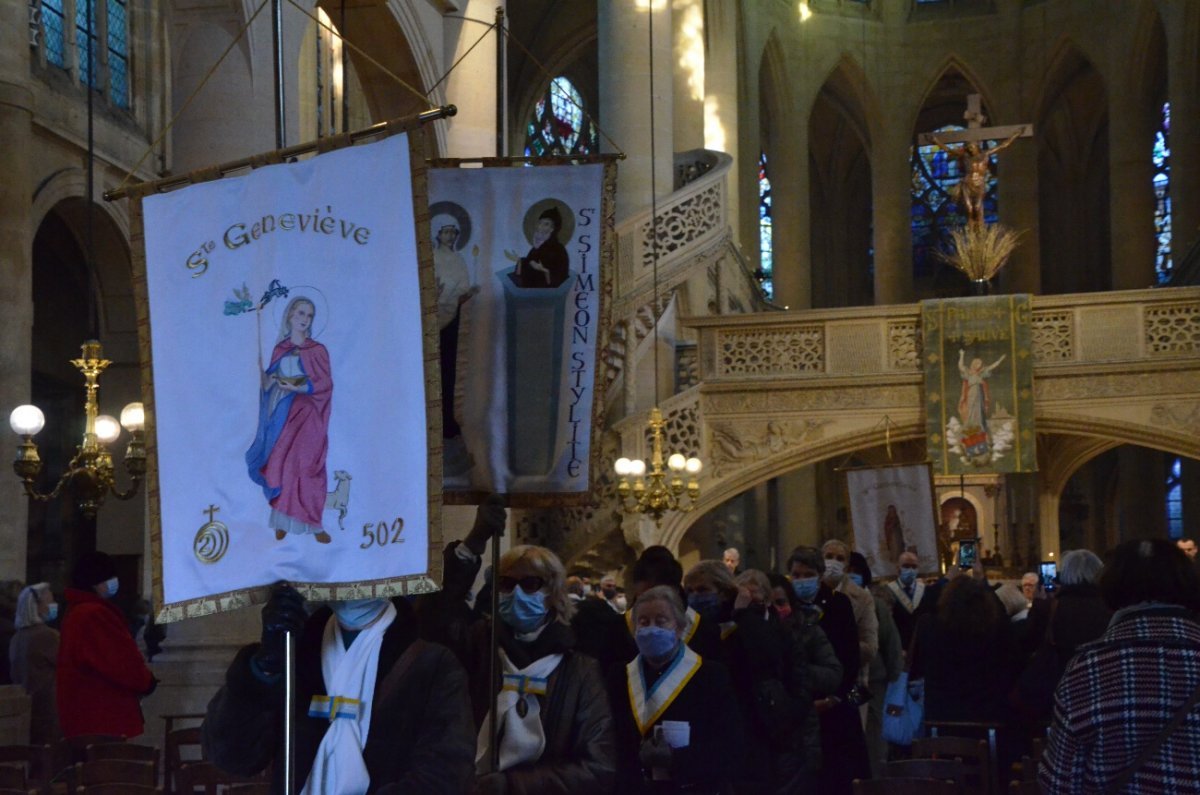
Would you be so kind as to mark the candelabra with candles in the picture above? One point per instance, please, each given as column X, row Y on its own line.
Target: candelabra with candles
column 89, row 476
column 660, row 489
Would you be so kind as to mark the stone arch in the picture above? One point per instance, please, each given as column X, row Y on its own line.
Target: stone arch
column 391, row 34
column 562, row 43
column 840, row 128
column 675, row 526
column 943, row 100
column 1073, row 175
column 214, row 123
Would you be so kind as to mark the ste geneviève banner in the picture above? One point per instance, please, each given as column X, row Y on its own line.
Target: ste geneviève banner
column 979, row 384
column 522, row 259
column 288, row 337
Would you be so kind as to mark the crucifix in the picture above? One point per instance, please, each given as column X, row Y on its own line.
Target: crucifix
column 973, row 155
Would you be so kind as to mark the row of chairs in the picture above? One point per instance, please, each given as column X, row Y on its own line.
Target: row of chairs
column 102, row 764
column 951, row 765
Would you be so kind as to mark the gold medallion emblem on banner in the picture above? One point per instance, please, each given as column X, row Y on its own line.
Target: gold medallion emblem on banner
column 212, row 539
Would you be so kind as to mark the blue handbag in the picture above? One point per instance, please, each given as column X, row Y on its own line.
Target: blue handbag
column 903, row 710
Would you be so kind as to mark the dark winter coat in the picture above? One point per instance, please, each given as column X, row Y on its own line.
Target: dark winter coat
column 421, row 738
column 101, row 674
column 1117, row 695
column 713, row 757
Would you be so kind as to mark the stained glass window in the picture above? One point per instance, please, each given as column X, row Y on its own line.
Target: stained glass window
column 934, row 209
column 1162, row 195
column 52, row 31
column 765, row 243
column 87, row 71
column 1175, row 499
column 559, row 125
column 118, row 52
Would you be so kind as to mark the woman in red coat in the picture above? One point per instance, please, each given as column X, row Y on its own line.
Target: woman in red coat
column 101, row 674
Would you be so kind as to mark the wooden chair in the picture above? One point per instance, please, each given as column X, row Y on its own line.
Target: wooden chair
column 973, row 753
column 905, row 786
column 77, row 746
column 182, row 747
column 941, row 769
column 36, row 760
column 128, row 751
column 974, row 730
column 116, row 771
column 250, row 788
column 205, row 777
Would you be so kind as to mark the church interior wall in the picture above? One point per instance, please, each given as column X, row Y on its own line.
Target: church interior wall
column 834, row 101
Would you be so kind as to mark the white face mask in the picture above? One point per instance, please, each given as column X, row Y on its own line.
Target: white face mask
column 357, row 614
column 834, row 569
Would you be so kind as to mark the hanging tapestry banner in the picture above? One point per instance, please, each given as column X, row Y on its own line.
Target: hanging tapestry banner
column 287, row 342
column 522, row 259
column 892, row 511
column 979, row 384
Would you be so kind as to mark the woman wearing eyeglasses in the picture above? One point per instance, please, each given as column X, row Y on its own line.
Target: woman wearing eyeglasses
column 553, row 722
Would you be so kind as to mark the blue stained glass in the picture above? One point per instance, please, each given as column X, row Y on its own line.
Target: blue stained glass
column 1175, row 499
column 559, row 125
column 765, row 229
column 1161, row 157
column 52, row 32
column 118, row 53
column 87, row 71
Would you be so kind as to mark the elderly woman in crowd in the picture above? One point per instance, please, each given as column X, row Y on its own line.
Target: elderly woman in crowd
column 553, row 720
column 843, row 745
column 32, row 656
column 677, row 722
column 1121, row 712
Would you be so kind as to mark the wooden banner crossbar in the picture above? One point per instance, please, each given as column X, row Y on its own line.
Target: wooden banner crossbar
column 321, row 145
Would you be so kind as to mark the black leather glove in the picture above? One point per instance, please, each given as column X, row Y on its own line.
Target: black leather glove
column 283, row 612
column 490, row 519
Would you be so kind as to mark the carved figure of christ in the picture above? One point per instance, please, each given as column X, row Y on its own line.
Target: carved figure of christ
column 973, row 154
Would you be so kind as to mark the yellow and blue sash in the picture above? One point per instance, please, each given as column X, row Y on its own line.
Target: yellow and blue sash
column 649, row 702
column 333, row 707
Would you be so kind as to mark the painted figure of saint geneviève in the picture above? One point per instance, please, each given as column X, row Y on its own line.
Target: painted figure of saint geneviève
column 974, row 401
column 287, row 458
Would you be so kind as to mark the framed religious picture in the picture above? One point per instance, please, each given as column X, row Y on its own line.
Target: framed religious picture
column 892, row 512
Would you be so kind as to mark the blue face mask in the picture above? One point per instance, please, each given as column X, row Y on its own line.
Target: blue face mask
column 52, row 611
column 806, row 588
column 656, row 643
column 708, row 605
column 524, row 612
column 908, row 576
column 357, row 614
column 856, row 578
column 111, row 585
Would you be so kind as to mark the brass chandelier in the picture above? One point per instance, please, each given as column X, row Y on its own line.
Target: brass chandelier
column 89, row 477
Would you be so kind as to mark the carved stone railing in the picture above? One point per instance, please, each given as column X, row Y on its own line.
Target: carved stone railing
column 1137, row 326
column 690, row 221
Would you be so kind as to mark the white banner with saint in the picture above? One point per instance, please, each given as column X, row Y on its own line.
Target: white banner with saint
column 287, row 359
column 891, row 511
column 521, row 259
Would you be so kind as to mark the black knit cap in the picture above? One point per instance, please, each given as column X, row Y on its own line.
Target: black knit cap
column 92, row 568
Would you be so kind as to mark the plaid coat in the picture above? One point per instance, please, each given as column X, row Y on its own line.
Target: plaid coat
column 1117, row 694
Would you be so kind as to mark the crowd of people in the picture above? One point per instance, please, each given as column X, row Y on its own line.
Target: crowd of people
column 712, row 679
column 722, row 680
